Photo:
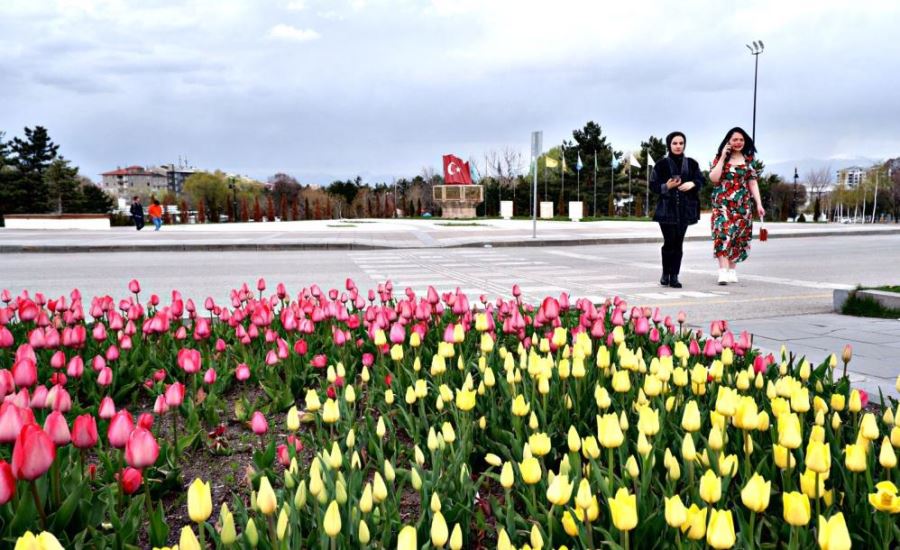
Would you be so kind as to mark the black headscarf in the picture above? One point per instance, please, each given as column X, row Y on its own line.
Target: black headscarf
column 677, row 163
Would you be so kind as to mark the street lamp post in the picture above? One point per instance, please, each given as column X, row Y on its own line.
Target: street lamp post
column 234, row 210
column 756, row 49
column 794, row 201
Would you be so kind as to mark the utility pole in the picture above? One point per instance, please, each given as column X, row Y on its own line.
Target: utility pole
column 755, row 50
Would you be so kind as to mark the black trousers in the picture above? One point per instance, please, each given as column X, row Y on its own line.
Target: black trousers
column 138, row 222
column 672, row 248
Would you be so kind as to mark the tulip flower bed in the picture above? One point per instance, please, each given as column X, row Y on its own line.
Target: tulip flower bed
column 344, row 419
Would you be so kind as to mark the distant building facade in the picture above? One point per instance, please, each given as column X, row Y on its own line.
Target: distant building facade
column 123, row 182
column 850, row 177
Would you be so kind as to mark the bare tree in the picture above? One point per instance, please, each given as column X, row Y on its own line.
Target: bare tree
column 818, row 182
column 428, row 176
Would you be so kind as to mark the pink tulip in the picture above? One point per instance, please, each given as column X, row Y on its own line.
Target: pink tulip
column 98, row 363
column 59, row 399
column 105, row 377
column 107, row 408
column 141, row 450
column 120, row 427
column 160, row 407
column 210, row 376
column 300, row 347
column 709, row 349
column 7, row 483
column 242, row 372
column 134, row 286
column 189, row 360
column 84, row 432
column 33, row 453
column 6, row 337
column 11, row 422
column 39, row 397
column 258, row 423
column 175, row 394
column 56, row 427
column 641, row 325
column 75, row 367
column 24, row 373
column 112, row 353
column 58, row 360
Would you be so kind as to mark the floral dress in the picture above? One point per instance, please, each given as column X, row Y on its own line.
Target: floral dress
column 732, row 215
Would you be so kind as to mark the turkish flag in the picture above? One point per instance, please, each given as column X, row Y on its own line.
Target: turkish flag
column 456, row 171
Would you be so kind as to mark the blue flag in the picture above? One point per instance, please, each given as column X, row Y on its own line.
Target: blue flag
column 615, row 163
column 473, row 171
column 579, row 165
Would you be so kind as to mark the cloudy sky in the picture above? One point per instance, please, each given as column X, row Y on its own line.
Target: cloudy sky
column 332, row 89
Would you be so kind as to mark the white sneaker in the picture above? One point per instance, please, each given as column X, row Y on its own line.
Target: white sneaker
column 732, row 276
column 723, row 276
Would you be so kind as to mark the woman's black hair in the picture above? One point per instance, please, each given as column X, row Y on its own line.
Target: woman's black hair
column 749, row 149
column 672, row 136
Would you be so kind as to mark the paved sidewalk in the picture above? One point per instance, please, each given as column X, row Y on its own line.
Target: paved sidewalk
column 876, row 344
column 383, row 234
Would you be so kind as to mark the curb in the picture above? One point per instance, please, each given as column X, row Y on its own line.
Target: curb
column 294, row 246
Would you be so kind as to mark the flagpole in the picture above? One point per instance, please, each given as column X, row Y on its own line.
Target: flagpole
column 612, row 178
column 631, row 206
column 562, row 188
column 647, row 205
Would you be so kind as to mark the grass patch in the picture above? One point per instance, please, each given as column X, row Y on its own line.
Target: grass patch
column 465, row 224
column 341, row 225
column 863, row 306
column 889, row 288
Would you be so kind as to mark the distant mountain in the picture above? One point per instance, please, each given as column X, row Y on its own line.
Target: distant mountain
column 785, row 169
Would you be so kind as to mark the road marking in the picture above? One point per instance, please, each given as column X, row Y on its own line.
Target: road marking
column 574, row 255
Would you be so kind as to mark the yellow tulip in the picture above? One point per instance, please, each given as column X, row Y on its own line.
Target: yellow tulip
column 887, row 457
column 688, row 451
column 365, row 502
column 439, row 531
column 188, row 540
column 506, row 476
column 456, row 540
column 519, row 406
column 710, row 487
column 573, row 440
column 818, row 457
column 755, row 494
column 282, row 528
column 623, row 508
column 796, row 508
column 746, row 414
column 199, row 501
column 539, row 443
column 833, row 534
column 265, row 499
column 695, row 524
column 569, row 525
column 855, row 404
column 784, row 458
column 43, row 541
column 869, row 427
column 251, row 533
column 332, row 520
column 789, row 431
column 609, row 432
column 407, row 539
column 379, row 489
column 363, row 532
column 331, row 413
column 715, row 439
column 465, row 400
column 838, row 402
column 229, row 532
column 530, row 469
column 631, row 467
column 720, row 533
column 584, row 495
column 885, row 499
column 808, row 484
column 648, row 421
column 676, row 513
column 621, row 381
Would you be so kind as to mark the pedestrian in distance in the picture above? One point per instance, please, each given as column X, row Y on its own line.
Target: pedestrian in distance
column 677, row 180
column 733, row 197
column 137, row 213
column 155, row 213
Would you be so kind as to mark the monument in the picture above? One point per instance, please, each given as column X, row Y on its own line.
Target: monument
column 459, row 196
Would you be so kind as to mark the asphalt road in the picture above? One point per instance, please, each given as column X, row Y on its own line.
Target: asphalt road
column 782, row 277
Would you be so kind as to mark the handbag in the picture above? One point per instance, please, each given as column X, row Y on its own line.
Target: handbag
column 763, row 232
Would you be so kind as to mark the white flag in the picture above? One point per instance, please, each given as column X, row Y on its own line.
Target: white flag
column 650, row 161
column 633, row 161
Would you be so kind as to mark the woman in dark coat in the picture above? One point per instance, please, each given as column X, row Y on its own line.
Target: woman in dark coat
column 677, row 180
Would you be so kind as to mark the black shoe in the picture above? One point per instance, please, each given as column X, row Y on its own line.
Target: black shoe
column 664, row 281
column 673, row 281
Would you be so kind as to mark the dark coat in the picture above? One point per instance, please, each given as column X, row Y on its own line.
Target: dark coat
column 674, row 206
column 137, row 210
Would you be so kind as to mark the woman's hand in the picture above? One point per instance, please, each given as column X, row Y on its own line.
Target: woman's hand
column 760, row 211
column 726, row 152
column 673, row 183
column 686, row 186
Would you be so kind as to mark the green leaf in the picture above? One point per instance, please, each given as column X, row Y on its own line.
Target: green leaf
column 159, row 530
column 63, row 516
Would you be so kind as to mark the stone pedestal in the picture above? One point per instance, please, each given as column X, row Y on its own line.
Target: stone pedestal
column 458, row 201
column 576, row 208
column 546, row 210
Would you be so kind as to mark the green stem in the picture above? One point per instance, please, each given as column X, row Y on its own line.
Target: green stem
column 202, row 532
column 40, row 507
column 273, row 535
column 625, row 540
column 550, row 526
column 752, row 530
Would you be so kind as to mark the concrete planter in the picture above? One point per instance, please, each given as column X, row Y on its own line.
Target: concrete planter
column 94, row 222
column 886, row 299
column 576, row 210
column 546, row 210
column 506, row 210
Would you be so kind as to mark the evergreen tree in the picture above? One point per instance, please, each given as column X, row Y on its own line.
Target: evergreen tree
column 63, row 187
column 33, row 156
column 11, row 193
column 96, row 201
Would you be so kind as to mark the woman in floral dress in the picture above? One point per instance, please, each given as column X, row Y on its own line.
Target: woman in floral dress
column 735, row 191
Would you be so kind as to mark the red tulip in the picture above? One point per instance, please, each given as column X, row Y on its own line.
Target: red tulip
column 258, row 423
column 120, row 427
column 56, row 427
column 84, row 432
column 142, row 450
column 6, row 337
column 131, row 480
column 7, row 482
column 145, row 421
column 33, row 453
column 175, row 394
column 284, row 456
